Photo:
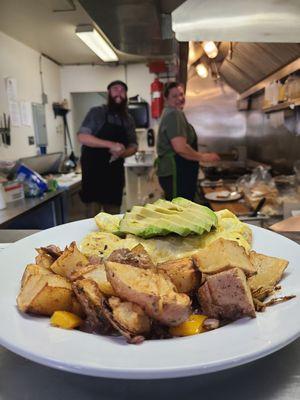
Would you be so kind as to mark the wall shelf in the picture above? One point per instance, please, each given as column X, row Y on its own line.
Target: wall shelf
column 283, row 106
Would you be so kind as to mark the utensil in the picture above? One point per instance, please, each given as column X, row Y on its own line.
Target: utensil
column 258, row 207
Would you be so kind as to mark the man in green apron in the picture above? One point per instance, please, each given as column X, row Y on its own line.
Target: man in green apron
column 177, row 148
column 107, row 135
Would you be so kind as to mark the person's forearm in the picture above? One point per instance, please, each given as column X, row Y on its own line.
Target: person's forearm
column 93, row 141
column 189, row 153
column 129, row 151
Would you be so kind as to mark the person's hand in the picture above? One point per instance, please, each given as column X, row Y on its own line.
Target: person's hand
column 209, row 157
column 116, row 149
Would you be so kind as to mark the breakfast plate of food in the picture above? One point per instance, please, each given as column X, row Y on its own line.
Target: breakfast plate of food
column 170, row 289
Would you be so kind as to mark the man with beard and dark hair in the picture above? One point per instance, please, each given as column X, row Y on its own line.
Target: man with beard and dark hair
column 107, row 135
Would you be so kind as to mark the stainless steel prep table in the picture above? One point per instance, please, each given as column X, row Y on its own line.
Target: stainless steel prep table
column 275, row 377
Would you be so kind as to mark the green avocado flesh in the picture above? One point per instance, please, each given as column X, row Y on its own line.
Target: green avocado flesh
column 180, row 216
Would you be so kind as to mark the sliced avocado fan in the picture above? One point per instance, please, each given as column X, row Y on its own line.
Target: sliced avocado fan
column 180, row 216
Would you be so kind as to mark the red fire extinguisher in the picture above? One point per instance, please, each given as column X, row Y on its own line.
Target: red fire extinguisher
column 157, row 98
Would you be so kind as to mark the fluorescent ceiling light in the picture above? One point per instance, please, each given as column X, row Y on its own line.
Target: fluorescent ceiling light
column 92, row 38
column 202, row 71
column 210, row 49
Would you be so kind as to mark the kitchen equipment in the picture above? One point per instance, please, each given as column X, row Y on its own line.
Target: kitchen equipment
column 70, row 161
column 5, row 130
column 44, row 164
column 150, row 138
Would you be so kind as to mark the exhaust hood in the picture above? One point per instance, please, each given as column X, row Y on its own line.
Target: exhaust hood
column 261, row 21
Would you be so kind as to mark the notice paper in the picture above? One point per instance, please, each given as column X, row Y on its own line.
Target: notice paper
column 14, row 112
column 11, row 89
column 26, row 113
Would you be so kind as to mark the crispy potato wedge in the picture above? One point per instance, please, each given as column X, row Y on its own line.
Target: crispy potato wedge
column 34, row 269
column 221, row 255
column 182, row 272
column 130, row 316
column 97, row 274
column 70, row 261
column 269, row 273
column 154, row 292
column 226, row 295
column 44, row 294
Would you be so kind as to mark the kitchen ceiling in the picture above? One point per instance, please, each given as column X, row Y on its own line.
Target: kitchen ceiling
column 135, row 27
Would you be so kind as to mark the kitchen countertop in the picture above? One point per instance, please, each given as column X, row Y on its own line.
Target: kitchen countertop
column 275, row 377
column 17, row 208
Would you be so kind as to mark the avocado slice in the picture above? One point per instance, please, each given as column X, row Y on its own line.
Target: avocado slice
column 171, row 223
column 197, row 209
column 145, row 228
column 199, row 217
column 179, row 216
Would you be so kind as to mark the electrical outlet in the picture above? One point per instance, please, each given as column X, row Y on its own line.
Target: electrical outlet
column 30, row 140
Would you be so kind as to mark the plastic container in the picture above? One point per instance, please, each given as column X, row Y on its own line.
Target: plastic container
column 14, row 190
column 34, row 184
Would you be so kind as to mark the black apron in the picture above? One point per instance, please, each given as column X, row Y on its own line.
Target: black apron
column 102, row 181
column 187, row 174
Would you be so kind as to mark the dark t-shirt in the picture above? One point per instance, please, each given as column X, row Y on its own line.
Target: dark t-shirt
column 173, row 123
column 96, row 118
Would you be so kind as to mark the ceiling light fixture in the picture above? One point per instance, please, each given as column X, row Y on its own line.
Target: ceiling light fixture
column 92, row 38
column 210, row 49
column 202, row 71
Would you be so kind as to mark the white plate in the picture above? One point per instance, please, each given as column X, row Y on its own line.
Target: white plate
column 226, row 196
column 235, row 344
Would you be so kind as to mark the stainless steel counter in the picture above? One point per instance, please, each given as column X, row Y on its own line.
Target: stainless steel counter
column 275, row 377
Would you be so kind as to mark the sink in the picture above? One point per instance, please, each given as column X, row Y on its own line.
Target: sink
column 140, row 159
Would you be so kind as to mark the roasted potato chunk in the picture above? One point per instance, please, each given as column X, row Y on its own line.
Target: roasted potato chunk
column 130, row 316
column 182, row 272
column 269, row 273
column 70, row 261
column 96, row 273
column 221, row 255
column 44, row 294
column 154, row 292
column 34, row 269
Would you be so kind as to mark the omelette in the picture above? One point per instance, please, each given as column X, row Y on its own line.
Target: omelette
column 161, row 249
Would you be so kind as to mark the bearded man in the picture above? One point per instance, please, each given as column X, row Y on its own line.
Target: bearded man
column 107, row 135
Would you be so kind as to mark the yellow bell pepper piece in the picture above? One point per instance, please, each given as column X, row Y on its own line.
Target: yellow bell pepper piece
column 192, row 326
column 65, row 320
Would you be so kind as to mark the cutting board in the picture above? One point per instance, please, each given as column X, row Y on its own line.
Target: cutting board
column 291, row 224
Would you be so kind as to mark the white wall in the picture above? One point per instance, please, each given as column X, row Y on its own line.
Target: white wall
column 22, row 63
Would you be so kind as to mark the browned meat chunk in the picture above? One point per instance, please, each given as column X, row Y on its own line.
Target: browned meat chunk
column 226, row 295
column 137, row 257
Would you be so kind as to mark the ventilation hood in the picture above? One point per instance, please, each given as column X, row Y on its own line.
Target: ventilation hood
column 251, row 63
column 238, row 21
column 137, row 27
